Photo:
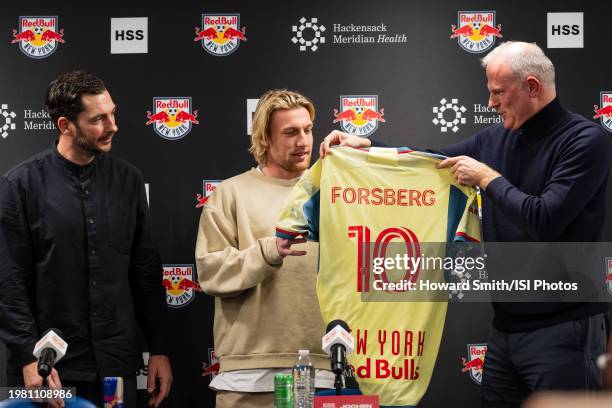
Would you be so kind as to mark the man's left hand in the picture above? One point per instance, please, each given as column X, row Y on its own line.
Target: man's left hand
column 159, row 367
column 469, row 172
column 284, row 246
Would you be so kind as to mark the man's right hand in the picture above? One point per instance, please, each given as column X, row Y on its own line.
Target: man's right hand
column 337, row 138
column 284, row 246
column 31, row 379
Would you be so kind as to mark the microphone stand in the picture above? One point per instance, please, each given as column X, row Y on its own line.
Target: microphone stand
column 45, row 384
column 338, row 383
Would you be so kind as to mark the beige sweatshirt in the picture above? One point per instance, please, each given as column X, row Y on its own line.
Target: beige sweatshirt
column 266, row 307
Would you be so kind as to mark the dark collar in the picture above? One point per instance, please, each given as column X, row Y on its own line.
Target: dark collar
column 545, row 121
column 76, row 169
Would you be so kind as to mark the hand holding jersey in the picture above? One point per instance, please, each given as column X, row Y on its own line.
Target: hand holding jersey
column 355, row 197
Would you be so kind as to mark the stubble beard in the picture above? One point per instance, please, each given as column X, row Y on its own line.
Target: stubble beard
column 84, row 145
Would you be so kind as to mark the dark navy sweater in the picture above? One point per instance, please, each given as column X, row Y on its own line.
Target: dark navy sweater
column 553, row 188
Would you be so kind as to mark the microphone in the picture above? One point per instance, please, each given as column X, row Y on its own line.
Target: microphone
column 49, row 350
column 338, row 343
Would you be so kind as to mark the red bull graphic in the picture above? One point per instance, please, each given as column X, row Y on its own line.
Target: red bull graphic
column 608, row 271
column 604, row 113
column 211, row 369
column 475, row 361
column 359, row 114
column 38, row 36
column 220, row 34
column 172, row 118
column 208, row 186
column 181, row 284
column 476, row 30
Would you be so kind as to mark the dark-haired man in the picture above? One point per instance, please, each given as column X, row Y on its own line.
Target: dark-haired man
column 76, row 254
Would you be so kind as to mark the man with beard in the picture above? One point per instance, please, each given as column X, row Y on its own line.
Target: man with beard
column 76, row 254
column 266, row 306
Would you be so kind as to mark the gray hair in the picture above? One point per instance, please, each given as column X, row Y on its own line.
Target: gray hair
column 523, row 59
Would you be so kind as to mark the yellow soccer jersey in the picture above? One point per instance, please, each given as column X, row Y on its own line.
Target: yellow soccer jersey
column 380, row 195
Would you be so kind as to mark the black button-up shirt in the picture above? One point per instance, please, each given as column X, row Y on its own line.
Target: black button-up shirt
column 76, row 254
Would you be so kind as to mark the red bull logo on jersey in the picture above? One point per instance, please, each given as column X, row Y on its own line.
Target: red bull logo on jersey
column 359, row 114
column 603, row 111
column 220, row 34
column 608, row 270
column 392, row 355
column 172, row 118
column 208, row 187
column 38, row 36
column 210, row 369
column 475, row 361
column 181, row 284
column 476, row 30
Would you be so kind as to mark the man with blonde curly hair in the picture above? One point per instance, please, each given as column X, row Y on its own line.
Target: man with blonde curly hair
column 266, row 307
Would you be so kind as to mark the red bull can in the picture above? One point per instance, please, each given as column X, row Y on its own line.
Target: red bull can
column 113, row 392
column 283, row 391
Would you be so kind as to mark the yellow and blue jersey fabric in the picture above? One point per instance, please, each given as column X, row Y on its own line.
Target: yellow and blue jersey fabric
column 355, row 197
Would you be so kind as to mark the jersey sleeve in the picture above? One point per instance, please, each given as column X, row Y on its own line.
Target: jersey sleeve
column 468, row 229
column 301, row 215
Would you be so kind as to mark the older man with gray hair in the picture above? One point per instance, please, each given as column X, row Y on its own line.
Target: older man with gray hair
column 544, row 172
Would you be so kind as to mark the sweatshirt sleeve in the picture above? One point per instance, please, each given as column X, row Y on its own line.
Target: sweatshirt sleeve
column 224, row 270
column 581, row 168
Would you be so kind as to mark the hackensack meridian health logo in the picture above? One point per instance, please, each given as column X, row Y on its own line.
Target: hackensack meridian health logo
column 220, row 33
column 449, row 115
column 8, row 116
column 172, row 117
column 38, row 36
column 359, row 114
column 308, row 34
column 475, row 30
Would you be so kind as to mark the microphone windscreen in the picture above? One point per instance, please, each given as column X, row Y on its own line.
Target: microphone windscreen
column 337, row 322
column 56, row 331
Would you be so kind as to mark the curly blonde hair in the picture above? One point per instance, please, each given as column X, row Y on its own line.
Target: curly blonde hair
column 268, row 103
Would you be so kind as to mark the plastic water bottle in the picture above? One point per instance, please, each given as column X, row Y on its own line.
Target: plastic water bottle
column 303, row 381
